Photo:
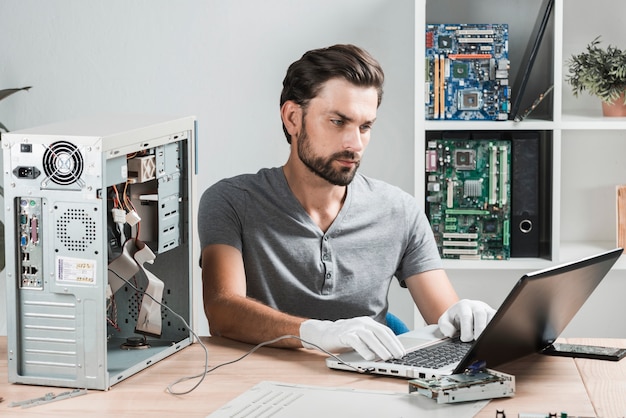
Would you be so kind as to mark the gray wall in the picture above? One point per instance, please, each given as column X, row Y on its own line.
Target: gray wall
column 220, row 60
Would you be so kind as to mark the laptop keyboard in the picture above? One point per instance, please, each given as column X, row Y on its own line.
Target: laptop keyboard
column 436, row 356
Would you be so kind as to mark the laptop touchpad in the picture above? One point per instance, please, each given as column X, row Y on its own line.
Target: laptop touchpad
column 412, row 342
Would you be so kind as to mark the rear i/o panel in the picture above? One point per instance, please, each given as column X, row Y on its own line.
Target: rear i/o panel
column 467, row 72
column 468, row 196
column 29, row 243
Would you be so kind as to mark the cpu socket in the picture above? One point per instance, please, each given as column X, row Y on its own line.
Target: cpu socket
column 470, row 100
column 465, row 159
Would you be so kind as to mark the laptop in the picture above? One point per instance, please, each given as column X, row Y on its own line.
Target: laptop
column 531, row 318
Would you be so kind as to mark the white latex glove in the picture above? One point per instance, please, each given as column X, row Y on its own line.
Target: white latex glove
column 470, row 317
column 367, row 337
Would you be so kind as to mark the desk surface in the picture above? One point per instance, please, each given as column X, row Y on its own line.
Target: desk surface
column 543, row 384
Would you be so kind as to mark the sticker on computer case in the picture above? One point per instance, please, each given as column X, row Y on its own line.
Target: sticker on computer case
column 75, row 270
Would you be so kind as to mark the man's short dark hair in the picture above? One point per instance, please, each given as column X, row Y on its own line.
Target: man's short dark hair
column 305, row 77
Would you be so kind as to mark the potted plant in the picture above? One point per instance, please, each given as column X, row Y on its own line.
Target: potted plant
column 602, row 73
column 6, row 93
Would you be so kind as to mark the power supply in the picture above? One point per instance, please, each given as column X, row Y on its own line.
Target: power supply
column 98, row 247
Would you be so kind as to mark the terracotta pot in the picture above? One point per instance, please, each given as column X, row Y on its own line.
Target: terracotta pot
column 618, row 108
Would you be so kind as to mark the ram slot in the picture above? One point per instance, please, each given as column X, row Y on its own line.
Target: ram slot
column 504, row 174
column 450, row 194
column 493, row 174
column 436, row 87
column 442, row 87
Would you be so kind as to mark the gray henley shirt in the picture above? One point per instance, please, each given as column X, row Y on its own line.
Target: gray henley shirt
column 293, row 266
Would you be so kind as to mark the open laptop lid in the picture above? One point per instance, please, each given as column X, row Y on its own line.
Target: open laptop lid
column 537, row 310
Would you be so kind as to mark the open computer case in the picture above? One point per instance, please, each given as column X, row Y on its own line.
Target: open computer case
column 98, row 232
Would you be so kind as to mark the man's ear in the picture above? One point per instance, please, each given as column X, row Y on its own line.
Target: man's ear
column 291, row 114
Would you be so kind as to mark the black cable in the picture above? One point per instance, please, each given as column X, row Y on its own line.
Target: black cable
column 206, row 352
column 206, row 371
column 284, row 337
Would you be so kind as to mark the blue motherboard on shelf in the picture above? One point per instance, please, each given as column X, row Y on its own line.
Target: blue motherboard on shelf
column 467, row 72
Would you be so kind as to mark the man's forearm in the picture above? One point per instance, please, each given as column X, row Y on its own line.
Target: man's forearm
column 243, row 319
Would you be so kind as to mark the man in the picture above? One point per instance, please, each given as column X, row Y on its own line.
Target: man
column 309, row 249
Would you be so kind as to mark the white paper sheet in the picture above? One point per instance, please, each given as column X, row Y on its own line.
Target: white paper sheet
column 284, row 400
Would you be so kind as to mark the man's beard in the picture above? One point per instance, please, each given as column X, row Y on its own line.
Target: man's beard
column 324, row 167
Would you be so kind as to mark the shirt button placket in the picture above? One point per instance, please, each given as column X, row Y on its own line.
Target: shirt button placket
column 328, row 266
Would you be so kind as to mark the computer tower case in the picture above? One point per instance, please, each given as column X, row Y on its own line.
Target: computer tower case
column 85, row 202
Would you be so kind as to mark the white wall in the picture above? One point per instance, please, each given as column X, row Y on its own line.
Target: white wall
column 220, row 60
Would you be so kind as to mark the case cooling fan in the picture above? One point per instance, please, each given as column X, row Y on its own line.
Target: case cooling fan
column 63, row 163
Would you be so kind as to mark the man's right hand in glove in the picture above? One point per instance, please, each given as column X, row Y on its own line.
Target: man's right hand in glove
column 367, row 337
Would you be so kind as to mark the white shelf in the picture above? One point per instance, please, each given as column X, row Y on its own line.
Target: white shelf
column 525, row 264
column 509, row 125
column 579, row 167
column 591, row 120
column 587, row 149
column 569, row 251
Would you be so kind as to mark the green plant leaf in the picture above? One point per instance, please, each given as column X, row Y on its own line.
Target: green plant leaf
column 600, row 72
column 7, row 92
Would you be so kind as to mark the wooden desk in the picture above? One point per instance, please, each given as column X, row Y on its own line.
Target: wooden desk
column 544, row 384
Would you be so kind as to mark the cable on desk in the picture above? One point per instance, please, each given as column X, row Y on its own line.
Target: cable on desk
column 285, row 337
column 199, row 376
column 252, row 350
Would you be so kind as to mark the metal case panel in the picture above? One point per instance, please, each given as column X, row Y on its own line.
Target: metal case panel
column 57, row 182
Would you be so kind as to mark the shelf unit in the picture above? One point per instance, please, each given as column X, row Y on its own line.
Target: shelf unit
column 587, row 149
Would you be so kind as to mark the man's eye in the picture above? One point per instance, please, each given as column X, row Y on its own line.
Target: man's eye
column 337, row 122
column 365, row 128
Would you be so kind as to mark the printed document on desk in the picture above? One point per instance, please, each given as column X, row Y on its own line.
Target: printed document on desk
column 285, row 400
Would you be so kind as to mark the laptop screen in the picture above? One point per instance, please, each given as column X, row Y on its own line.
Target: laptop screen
column 538, row 309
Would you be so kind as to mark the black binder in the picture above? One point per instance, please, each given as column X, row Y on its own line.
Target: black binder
column 525, row 195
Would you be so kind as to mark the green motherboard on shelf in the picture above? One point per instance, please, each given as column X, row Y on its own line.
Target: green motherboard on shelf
column 468, row 196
